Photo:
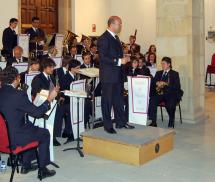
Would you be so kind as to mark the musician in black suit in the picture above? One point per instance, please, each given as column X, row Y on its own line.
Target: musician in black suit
column 62, row 71
column 15, row 105
column 46, row 81
column 70, row 77
column 94, row 55
column 62, row 109
column 111, row 76
column 17, row 56
column 134, row 48
column 73, row 52
column 165, row 87
column 142, row 66
column 9, row 38
column 36, row 33
column 87, row 63
column 33, row 66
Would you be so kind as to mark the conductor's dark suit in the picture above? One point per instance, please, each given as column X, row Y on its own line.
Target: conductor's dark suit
column 33, row 34
column 9, row 41
column 172, row 95
column 14, row 105
column 111, row 77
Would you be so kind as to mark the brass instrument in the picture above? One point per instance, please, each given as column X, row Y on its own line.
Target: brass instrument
column 68, row 38
column 160, row 87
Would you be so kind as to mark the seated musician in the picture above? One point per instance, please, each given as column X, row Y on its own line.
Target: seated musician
column 84, row 44
column 165, row 87
column 151, row 61
column 14, row 106
column 33, row 66
column 152, row 49
column 17, row 56
column 37, row 36
column 142, row 65
column 45, row 81
column 9, row 38
column 86, row 56
column 134, row 48
column 73, row 52
column 94, row 55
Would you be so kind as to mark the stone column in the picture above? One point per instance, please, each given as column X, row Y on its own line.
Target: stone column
column 180, row 35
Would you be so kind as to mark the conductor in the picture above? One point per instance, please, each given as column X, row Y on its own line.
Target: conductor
column 111, row 76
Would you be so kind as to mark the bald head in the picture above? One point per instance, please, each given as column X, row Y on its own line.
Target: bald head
column 115, row 24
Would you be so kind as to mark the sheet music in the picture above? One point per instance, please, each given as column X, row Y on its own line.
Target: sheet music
column 58, row 62
column 21, row 67
column 90, row 72
column 79, row 58
column 75, row 93
column 59, row 44
column 28, row 80
column 23, row 41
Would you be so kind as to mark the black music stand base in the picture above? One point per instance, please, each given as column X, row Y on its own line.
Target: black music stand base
column 54, row 164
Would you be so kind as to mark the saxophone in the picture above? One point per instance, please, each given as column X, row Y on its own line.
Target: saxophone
column 160, row 87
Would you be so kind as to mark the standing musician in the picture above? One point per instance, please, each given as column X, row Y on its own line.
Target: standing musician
column 37, row 36
column 9, row 38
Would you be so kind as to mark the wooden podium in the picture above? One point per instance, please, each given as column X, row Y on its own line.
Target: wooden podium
column 134, row 147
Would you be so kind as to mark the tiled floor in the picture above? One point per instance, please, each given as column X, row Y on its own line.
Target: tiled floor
column 192, row 160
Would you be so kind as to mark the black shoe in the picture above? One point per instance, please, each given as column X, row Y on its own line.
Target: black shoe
column 126, row 126
column 65, row 135
column 45, row 173
column 56, row 143
column 110, row 131
column 26, row 170
column 153, row 124
column 69, row 139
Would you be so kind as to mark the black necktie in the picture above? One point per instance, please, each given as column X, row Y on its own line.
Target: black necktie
column 165, row 76
column 117, row 38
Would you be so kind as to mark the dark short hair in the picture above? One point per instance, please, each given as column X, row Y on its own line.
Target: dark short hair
column 8, row 75
column 85, row 53
column 73, row 47
column 73, row 64
column 168, row 60
column 47, row 62
column 13, row 20
column 33, row 61
column 66, row 60
column 35, row 18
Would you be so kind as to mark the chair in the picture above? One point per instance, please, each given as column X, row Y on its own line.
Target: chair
column 14, row 154
column 163, row 104
column 210, row 70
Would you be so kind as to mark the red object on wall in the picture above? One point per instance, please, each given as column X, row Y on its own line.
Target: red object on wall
column 93, row 27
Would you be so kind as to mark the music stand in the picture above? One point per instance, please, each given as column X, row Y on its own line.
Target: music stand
column 78, row 147
column 93, row 76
